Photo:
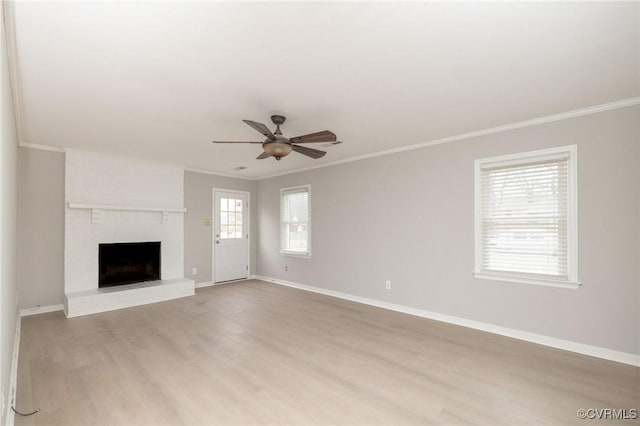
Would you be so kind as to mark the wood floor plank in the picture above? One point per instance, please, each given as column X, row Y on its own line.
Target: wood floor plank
column 257, row 353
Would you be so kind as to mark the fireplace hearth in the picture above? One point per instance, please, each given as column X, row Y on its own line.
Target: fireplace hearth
column 127, row 263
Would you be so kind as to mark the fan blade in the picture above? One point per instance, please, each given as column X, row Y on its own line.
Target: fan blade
column 323, row 136
column 261, row 128
column 262, row 156
column 309, row 152
column 235, row 142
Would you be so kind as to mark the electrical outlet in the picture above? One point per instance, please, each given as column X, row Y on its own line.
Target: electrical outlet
column 194, row 271
column 286, row 268
column 387, row 285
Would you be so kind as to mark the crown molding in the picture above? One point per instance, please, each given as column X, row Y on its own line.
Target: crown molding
column 12, row 62
column 61, row 150
column 41, row 147
column 623, row 103
column 476, row 133
column 221, row 174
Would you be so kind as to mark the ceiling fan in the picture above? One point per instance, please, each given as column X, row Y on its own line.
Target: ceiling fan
column 278, row 146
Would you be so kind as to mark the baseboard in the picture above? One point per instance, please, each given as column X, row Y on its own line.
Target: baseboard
column 204, row 284
column 567, row 345
column 210, row 283
column 40, row 310
column 13, row 375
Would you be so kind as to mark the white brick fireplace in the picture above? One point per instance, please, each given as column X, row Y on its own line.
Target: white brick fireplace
column 117, row 200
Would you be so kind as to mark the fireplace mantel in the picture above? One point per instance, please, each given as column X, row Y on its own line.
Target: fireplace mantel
column 96, row 210
column 125, row 208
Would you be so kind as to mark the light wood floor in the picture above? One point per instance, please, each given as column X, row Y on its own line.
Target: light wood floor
column 257, row 353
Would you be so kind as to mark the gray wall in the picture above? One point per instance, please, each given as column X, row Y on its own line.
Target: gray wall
column 409, row 218
column 41, row 227
column 8, row 225
column 197, row 236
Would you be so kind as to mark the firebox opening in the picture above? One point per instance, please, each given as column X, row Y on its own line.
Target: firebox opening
column 127, row 263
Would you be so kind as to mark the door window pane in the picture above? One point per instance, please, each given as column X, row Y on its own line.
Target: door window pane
column 231, row 226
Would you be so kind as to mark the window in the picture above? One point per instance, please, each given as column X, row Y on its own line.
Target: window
column 526, row 218
column 295, row 221
column 230, row 218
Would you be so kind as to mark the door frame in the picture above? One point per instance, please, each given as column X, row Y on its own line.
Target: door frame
column 213, row 233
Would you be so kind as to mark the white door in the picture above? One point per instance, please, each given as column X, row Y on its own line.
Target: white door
column 230, row 236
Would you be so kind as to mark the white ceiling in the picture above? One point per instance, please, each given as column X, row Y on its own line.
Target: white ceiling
column 160, row 80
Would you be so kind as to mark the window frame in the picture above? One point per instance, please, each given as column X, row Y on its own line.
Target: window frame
column 306, row 254
column 522, row 159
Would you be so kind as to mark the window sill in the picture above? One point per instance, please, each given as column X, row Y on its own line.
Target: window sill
column 524, row 279
column 298, row 255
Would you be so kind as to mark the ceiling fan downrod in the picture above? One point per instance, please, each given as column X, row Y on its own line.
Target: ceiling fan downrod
column 278, row 120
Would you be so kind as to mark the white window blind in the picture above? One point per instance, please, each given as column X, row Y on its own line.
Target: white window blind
column 526, row 216
column 295, row 220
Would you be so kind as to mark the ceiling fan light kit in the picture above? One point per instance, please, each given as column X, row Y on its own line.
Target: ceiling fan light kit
column 277, row 149
column 277, row 146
